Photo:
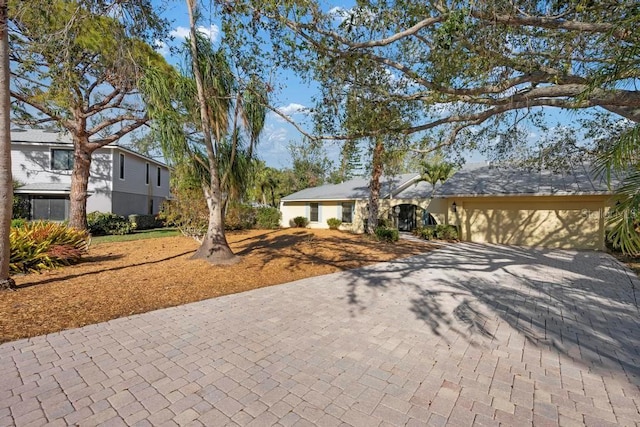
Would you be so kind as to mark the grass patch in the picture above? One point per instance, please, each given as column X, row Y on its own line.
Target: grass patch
column 136, row 235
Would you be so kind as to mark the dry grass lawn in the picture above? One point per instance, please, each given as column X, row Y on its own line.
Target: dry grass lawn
column 120, row 279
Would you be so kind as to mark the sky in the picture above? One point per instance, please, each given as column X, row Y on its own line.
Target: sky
column 294, row 96
column 291, row 100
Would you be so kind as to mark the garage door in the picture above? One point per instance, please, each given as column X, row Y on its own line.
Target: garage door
column 545, row 224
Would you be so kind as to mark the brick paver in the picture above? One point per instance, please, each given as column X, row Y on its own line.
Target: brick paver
column 464, row 335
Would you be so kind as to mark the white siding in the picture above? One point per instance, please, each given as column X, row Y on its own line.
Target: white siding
column 31, row 164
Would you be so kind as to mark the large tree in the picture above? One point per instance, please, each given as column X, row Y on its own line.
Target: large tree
column 210, row 121
column 76, row 65
column 473, row 74
column 6, row 182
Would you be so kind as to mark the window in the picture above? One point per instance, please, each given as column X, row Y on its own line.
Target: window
column 121, row 166
column 313, row 212
column 150, row 207
column 146, row 179
column 159, row 175
column 347, row 212
column 50, row 208
column 61, row 160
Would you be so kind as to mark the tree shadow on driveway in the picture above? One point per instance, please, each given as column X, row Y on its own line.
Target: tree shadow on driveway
column 582, row 304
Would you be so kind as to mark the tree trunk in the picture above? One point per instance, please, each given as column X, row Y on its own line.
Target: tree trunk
column 214, row 247
column 374, row 186
column 79, row 184
column 6, row 180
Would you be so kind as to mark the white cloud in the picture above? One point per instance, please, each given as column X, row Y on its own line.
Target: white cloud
column 339, row 13
column 292, row 108
column 213, row 32
column 162, row 48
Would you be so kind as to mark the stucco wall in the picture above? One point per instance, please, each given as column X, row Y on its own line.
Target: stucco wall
column 546, row 221
column 128, row 203
column 326, row 209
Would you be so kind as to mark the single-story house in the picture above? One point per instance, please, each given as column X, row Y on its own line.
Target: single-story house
column 514, row 206
column 488, row 204
column 403, row 198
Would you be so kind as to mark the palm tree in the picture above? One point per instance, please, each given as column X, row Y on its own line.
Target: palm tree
column 198, row 118
column 621, row 159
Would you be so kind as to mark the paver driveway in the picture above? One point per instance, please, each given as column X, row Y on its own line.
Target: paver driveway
column 468, row 334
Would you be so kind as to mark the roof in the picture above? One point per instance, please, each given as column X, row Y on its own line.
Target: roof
column 489, row 180
column 40, row 135
column 44, row 188
column 49, row 136
column 354, row 189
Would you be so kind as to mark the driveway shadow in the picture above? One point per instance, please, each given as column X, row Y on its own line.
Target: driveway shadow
column 582, row 304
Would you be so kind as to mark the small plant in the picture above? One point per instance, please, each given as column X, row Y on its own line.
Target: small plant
column 239, row 217
column 18, row 222
column 384, row 222
column 104, row 223
column 268, row 217
column 385, row 234
column 334, row 223
column 144, row 222
column 446, row 232
column 427, row 233
column 300, row 221
column 41, row 245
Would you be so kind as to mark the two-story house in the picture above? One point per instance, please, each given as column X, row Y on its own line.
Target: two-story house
column 122, row 181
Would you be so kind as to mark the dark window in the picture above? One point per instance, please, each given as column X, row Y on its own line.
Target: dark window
column 347, row 212
column 61, row 160
column 159, row 174
column 54, row 209
column 121, row 166
column 146, row 180
column 150, row 207
column 313, row 212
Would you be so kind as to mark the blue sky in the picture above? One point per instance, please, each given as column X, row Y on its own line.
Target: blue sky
column 291, row 99
column 294, row 96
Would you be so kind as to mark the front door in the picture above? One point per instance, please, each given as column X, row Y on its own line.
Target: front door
column 407, row 218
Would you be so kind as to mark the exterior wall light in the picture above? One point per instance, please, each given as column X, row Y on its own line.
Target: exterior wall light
column 454, row 207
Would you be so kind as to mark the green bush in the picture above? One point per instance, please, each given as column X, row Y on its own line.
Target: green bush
column 41, row 245
column 384, row 222
column 427, row 233
column 268, row 217
column 104, row 223
column 334, row 223
column 440, row 232
column 300, row 221
column 18, row 222
column 21, row 207
column 239, row 217
column 385, row 234
column 188, row 212
column 144, row 222
column 446, row 232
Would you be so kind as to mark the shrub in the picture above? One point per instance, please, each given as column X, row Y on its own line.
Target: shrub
column 446, row 232
column 239, row 217
column 441, row 232
column 18, row 222
column 300, row 221
column 268, row 217
column 144, row 222
column 386, row 234
column 334, row 223
column 41, row 245
column 21, row 207
column 104, row 223
column 188, row 212
column 427, row 233
column 384, row 222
